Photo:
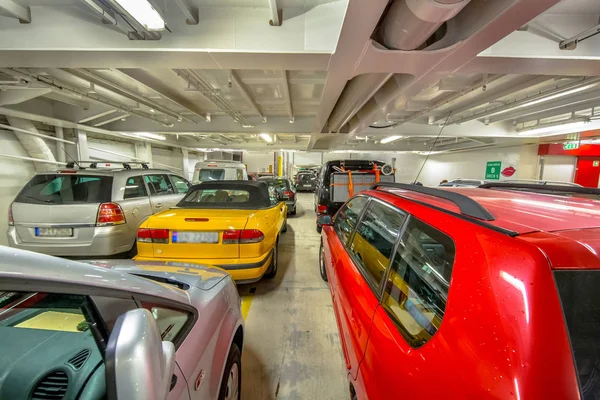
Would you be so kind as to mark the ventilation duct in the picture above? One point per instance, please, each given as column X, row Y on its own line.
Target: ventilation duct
column 406, row 26
column 35, row 146
column 409, row 23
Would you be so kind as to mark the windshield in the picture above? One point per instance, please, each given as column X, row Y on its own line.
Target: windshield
column 211, row 174
column 66, row 189
column 218, row 196
column 580, row 298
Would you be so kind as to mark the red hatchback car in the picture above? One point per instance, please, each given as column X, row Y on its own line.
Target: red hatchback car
column 467, row 293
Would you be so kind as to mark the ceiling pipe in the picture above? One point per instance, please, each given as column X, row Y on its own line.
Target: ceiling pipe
column 406, row 26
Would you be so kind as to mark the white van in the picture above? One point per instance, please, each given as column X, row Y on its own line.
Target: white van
column 221, row 170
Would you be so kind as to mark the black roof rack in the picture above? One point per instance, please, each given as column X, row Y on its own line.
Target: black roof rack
column 466, row 205
column 94, row 164
column 533, row 187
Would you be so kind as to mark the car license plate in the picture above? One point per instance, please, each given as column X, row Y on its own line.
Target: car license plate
column 54, row 232
column 307, row 186
column 195, row 237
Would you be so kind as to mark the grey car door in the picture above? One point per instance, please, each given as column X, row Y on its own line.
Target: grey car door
column 162, row 192
column 135, row 203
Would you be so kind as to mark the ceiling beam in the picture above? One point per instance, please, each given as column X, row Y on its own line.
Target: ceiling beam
column 287, row 95
column 162, row 89
column 96, row 116
column 89, row 76
column 246, row 94
column 15, row 10
column 191, row 13
column 108, row 121
column 495, row 94
column 275, row 13
column 66, row 99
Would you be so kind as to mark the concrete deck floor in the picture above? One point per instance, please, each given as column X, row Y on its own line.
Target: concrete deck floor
column 292, row 347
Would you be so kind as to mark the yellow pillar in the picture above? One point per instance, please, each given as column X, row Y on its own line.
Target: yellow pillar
column 279, row 166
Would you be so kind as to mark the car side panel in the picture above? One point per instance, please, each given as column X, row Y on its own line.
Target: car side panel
column 270, row 222
column 355, row 302
column 502, row 334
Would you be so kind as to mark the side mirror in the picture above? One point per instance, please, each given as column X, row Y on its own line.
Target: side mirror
column 324, row 220
column 139, row 365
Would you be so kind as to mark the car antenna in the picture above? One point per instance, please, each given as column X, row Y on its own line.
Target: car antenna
column 431, row 148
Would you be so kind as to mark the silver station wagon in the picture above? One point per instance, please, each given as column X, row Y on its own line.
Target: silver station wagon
column 90, row 211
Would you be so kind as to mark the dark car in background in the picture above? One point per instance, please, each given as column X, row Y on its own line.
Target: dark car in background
column 306, row 181
column 286, row 188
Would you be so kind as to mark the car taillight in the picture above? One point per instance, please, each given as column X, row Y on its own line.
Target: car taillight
column 242, row 236
column 110, row 214
column 321, row 209
column 11, row 221
column 289, row 194
column 153, row 235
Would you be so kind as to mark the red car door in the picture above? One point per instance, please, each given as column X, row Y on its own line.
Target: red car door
column 358, row 262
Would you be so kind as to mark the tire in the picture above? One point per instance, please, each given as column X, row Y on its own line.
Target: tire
column 272, row 271
column 133, row 252
column 322, row 269
column 293, row 211
column 230, row 389
column 284, row 230
column 319, row 229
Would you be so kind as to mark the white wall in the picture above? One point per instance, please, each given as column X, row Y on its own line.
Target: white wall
column 559, row 168
column 14, row 174
column 258, row 161
column 170, row 159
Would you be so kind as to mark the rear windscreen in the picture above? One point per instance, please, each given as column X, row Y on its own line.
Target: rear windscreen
column 211, row 174
column 306, row 178
column 580, row 297
column 66, row 189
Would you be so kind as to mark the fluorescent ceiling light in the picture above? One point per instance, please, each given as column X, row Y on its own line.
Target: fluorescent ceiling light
column 147, row 135
column 559, row 128
column 544, row 99
column 266, row 137
column 143, row 12
column 390, row 139
column 213, row 150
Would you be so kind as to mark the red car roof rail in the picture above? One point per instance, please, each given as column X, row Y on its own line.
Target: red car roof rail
column 470, row 210
column 466, row 205
column 549, row 189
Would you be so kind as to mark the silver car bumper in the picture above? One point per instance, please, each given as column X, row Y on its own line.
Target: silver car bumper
column 107, row 241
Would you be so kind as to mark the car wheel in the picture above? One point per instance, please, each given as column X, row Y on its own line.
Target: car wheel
column 133, row 252
column 272, row 271
column 322, row 263
column 232, row 377
column 293, row 211
column 319, row 229
column 284, row 226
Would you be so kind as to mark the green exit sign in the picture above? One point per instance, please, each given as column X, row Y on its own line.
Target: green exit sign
column 570, row 145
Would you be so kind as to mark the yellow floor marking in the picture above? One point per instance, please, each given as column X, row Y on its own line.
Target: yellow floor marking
column 54, row 321
column 246, row 302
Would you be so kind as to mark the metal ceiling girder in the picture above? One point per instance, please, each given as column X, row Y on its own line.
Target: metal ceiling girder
column 286, row 93
column 67, row 99
column 191, row 12
column 12, row 8
column 571, row 43
column 65, row 89
column 492, row 95
column 107, row 17
column 113, row 87
column 96, row 116
column 162, row 89
column 19, row 96
column 521, row 102
column 246, row 94
column 113, row 119
column 276, row 13
column 497, row 19
column 590, row 104
column 195, row 80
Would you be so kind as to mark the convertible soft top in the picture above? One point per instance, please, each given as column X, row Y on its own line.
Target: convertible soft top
column 228, row 194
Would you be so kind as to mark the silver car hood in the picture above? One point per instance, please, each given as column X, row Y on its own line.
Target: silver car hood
column 201, row 276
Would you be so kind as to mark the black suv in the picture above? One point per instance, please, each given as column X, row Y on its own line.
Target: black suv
column 323, row 196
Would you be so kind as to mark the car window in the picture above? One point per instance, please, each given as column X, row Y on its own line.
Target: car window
column 373, row 243
column 135, row 187
column 273, row 195
column 218, row 196
column 66, row 189
column 417, row 286
column 170, row 321
column 211, row 174
column 347, row 218
column 159, row 184
column 181, row 185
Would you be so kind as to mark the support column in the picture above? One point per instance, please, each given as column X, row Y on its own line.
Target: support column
column 35, row 146
column 60, row 147
column 186, row 164
column 143, row 152
column 83, row 151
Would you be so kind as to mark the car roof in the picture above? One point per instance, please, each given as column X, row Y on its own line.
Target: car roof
column 23, row 270
column 107, row 171
column 521, row 212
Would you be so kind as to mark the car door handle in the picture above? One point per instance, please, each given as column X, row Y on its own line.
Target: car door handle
column 158, row 205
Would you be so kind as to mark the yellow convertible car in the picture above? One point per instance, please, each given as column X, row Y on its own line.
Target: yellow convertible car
column 234, row 225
